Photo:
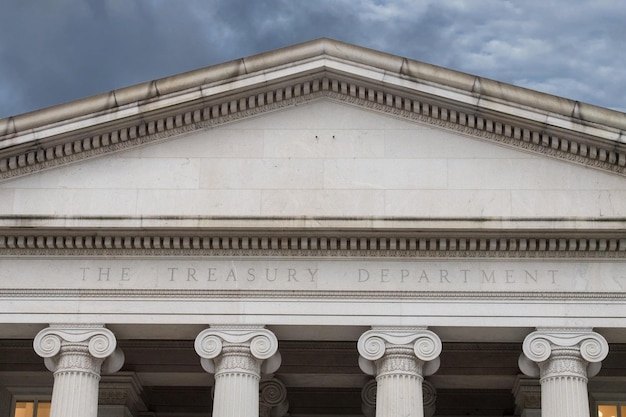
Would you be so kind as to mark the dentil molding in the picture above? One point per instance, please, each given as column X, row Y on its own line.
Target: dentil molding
column 600, row 154
column 364, row 244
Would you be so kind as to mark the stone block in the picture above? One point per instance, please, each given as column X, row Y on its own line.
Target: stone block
column 198, row 202
column 234, row 174
column 322, row 202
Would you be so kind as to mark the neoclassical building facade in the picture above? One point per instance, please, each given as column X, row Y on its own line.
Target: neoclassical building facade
column 320, row 230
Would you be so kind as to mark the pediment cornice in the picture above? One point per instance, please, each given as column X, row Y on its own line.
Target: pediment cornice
column 426, row 100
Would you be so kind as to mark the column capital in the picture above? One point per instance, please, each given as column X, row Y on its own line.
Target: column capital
column 101, row 341
column 262, row 343
column 373, row 344
column 546, row 343
column 539, row 344
column 96, row 339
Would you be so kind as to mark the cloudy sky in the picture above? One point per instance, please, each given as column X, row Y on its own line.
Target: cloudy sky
column 53, row 51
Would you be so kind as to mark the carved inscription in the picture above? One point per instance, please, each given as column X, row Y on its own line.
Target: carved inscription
column 359, row 277
column 460, row 276
column 105, row 273
column 212, row 274
column 319, row 274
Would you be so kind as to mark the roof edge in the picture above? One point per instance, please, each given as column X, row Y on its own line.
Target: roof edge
column 481, row 87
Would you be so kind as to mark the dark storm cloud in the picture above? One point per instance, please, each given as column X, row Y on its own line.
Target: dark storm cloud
column 60, row 50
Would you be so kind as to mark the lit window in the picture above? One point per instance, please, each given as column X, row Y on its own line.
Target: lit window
column 611, row 410
column 32, row 409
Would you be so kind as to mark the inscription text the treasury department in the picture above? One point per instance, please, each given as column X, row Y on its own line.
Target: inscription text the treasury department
column 408, row 276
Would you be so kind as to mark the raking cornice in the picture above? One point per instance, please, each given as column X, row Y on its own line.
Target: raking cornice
column 321, row 69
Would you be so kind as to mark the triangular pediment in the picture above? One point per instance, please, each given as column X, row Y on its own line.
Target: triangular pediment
column 421, row 142
column 321, row 158
column 324, row 68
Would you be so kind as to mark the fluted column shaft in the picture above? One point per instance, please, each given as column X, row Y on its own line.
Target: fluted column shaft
column 399, row 358
column 399, row 383
column 563, row 359
column 236, row 356
column 237, row 375
column 76, row 356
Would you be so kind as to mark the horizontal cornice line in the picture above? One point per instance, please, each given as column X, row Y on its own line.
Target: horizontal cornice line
column 379, row 296
column 503, row 227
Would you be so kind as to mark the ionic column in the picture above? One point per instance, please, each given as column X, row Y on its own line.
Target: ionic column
column 399, row 358
column 237, row 356
column 272, row 398
column 77, row 355
column 368, row 398
column 563, row 359
column 430, row 398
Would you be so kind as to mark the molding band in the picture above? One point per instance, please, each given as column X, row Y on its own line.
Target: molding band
column 353, row 245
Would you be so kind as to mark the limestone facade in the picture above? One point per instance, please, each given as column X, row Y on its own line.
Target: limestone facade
column 322, row 230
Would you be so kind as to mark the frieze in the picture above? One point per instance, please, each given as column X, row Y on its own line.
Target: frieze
column 316, row 274
column 601, row 156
